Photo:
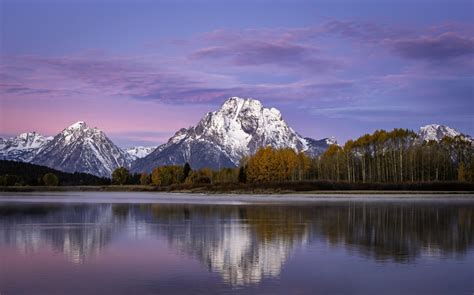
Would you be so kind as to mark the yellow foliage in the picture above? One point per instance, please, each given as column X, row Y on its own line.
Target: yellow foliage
column 167, row 175
column 201, row 176
column 269, row 165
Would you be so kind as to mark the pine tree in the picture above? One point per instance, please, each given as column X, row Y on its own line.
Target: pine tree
column 120, row 176
column 242, row 174
column 50, row 179
column 186, row 171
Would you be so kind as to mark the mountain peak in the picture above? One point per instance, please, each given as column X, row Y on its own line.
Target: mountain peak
column 242, row 125
column 27, row 134
column 331, row 140
column 79, row 148
column 22, row 147
column 245, row 111
column 138, row 152
column 240, row 100
column 234, row 105
column 30, row 136
column 78, row 125
column 436, row 132
column 431, row 126
column 238, row 128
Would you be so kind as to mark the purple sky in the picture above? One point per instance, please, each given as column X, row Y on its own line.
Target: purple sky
column 140, row 70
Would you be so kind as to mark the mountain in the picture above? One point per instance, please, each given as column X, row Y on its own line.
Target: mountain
column 22, row 147
column 79, row 148
column 223, row 137
column 437, row 132
column 139, row 152
column 317, row 147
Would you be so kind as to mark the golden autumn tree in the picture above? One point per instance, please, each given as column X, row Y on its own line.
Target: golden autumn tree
column 258, row 166
column 269, row 165
column 167, row 175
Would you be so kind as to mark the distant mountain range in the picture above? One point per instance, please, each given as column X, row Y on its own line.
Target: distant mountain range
column 437, row 132
column 22, row 147
column 138, row 152
column 220, row 139
column 80, row 148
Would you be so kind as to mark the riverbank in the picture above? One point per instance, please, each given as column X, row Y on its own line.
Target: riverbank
column 268, row 188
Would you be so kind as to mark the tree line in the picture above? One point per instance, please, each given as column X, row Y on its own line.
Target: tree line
column 396, row 156
column 14, row 173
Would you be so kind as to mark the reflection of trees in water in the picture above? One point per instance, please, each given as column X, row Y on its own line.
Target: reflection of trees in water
column 397, row 231
column 247, row 243
column 241, row 244
column 77, row 231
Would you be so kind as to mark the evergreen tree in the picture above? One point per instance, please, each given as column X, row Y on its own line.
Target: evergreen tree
column 461, row 172
column 120, row 176
column 134, row 178
column 3, row 180
column 30, row 174
column 11, row 180
column 186, row 170
column 242, row 174
column 50, row 179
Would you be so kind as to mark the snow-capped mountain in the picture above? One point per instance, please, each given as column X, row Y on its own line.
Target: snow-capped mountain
column 223, row 137
column 437, row 132
column 139, row 152
column 79, row 148
column 22, row 147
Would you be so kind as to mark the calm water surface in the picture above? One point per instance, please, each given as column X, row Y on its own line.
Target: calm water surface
column 139, row 243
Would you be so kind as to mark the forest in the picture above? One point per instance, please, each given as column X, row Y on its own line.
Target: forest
column 394, row 157
column 14, row 173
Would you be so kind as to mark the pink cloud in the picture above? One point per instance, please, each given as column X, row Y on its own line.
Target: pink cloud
column 166, row 92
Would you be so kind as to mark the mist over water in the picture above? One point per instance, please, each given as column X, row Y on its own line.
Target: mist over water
column 347, row 246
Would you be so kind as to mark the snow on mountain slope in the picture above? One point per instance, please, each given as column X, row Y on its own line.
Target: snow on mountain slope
column 79, row 148
column 330, row 140
column 22, row 147
column 437, row 132
column 139, row 152
column 223, row 137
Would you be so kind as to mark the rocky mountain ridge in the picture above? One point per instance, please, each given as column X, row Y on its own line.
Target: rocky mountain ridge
column 138, row 152
column 80, row 148
column 23, row 147
column 221, row 138
column 437, row 132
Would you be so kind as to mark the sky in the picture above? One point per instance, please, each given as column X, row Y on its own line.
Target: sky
column 141, row 70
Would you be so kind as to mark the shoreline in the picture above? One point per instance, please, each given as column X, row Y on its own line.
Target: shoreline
column 26, row 198
column 204, row 190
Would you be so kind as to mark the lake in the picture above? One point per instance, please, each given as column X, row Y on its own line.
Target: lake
column 153, row 243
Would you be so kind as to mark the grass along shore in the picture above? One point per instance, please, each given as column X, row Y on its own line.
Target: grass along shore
column 304, row 187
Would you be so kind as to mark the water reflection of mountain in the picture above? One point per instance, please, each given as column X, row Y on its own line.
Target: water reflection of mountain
column 80, row 232
column 247, row 243
column 242, row 244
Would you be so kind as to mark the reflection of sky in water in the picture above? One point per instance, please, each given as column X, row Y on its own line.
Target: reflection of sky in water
column 175, row 247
